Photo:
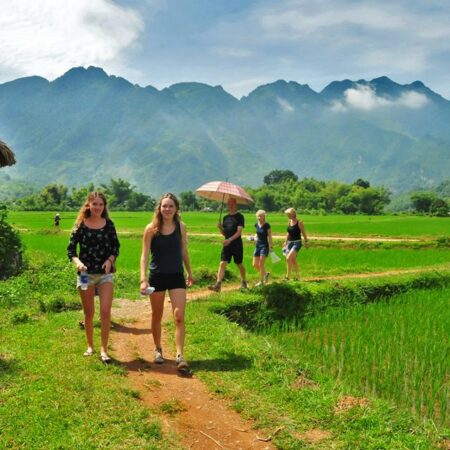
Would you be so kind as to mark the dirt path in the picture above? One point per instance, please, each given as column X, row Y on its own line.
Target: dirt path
column 282, row 236
column 201, row 420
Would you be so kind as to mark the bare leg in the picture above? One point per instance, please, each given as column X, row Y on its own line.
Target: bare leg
column 290, row 261
column 241, row 271
column 262, row 268
column 157, row 302
column 295, row 265
column 256, row 263
column 221, row 271
column 105, row 291
column 178, row 298
column 87, row 298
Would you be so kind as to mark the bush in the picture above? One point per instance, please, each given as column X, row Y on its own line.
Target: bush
column 283, row 304
column 11, row 250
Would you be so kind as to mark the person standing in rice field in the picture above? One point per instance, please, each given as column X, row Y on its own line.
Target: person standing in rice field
column 231, row 228
column 263, row 246
column 293, row 242
column 165, row 238
column 96, row 236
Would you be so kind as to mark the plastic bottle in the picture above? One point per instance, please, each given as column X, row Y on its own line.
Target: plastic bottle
column 148, row 291
column 84, row 280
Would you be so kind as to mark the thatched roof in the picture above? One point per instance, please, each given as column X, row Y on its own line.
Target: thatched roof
column 6, row 155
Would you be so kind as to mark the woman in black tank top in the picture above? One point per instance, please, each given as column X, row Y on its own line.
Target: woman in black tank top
column 293, row 242
column 165, row 238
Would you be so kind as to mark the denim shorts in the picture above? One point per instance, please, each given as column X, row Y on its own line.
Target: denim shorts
column 296, row 245
column 96, row 279
column 261, row 250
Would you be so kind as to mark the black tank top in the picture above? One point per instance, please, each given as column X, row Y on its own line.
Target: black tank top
column 166, row 250
column 294, row 232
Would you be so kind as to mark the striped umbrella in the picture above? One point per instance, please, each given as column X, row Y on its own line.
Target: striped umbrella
column 222, row 191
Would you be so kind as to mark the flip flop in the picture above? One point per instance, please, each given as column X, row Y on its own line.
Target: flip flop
column 105, row 359
column 89, row 352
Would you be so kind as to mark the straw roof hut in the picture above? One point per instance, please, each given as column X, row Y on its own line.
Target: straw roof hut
column 6, row 155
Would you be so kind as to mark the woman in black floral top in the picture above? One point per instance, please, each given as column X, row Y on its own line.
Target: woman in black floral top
column 96, row 237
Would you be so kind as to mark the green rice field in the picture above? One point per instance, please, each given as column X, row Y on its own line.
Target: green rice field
column 400, row 226
column 397, row 349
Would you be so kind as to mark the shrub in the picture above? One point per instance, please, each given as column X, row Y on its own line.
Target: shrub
column 11, row 251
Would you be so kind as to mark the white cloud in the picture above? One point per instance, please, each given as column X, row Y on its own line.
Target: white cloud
column 413, row 100
column 47, row 37
column 364, row 98
column 285, row 105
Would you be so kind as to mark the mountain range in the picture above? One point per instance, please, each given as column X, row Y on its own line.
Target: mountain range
column 89, row 126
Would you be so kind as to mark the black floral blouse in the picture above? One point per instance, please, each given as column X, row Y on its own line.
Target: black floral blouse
column 96, row 245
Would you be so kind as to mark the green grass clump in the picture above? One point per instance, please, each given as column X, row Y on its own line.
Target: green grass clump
column 285, row 306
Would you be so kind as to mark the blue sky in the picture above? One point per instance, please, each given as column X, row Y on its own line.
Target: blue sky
column 237, row 44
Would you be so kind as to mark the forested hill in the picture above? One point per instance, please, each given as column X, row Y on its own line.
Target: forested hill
column 88, row 126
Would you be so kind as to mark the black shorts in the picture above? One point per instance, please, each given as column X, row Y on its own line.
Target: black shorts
column 167, row 281
column 235, row 250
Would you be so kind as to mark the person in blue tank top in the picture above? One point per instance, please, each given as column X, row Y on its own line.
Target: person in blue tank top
column 293, row 242
column 165, row 238
column 263, row 246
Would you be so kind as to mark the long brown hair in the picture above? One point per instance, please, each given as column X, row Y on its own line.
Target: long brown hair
column 157, row 216
column 85, row 211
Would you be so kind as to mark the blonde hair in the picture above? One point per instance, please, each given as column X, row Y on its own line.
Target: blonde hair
column 157, row 216
column 291, row 211
column 260, row 212
column 85, row 211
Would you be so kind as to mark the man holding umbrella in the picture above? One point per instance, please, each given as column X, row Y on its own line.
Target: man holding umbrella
column 231, row 228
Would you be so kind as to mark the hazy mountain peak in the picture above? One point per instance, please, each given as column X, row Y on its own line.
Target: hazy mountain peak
column 81, row 73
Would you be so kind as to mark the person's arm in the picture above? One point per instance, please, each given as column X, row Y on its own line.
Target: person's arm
column 236, row 235
column 302, row 230
column 269, row 236
column 115, row 245
column 72, row 250
column 184, row 250
column 146, row 243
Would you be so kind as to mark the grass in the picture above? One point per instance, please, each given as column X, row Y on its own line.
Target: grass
column 314, row 262
column 197, row 222
column 50, row 397
column 395, row 349
column 271, row 379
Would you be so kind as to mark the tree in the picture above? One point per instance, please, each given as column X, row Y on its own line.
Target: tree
column 422, row 201
column 361, row 183
column 118, row 192
column 266, row 200
column 54, row 195
column 280, row 176
column 188, row 201
column 79, row 195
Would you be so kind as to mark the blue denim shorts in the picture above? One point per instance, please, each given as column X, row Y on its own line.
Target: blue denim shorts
column 261, row 250
column 296, row 245
column 96, row 279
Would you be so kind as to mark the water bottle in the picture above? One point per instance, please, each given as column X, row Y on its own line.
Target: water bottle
column 84, row 280
column 148, row 290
